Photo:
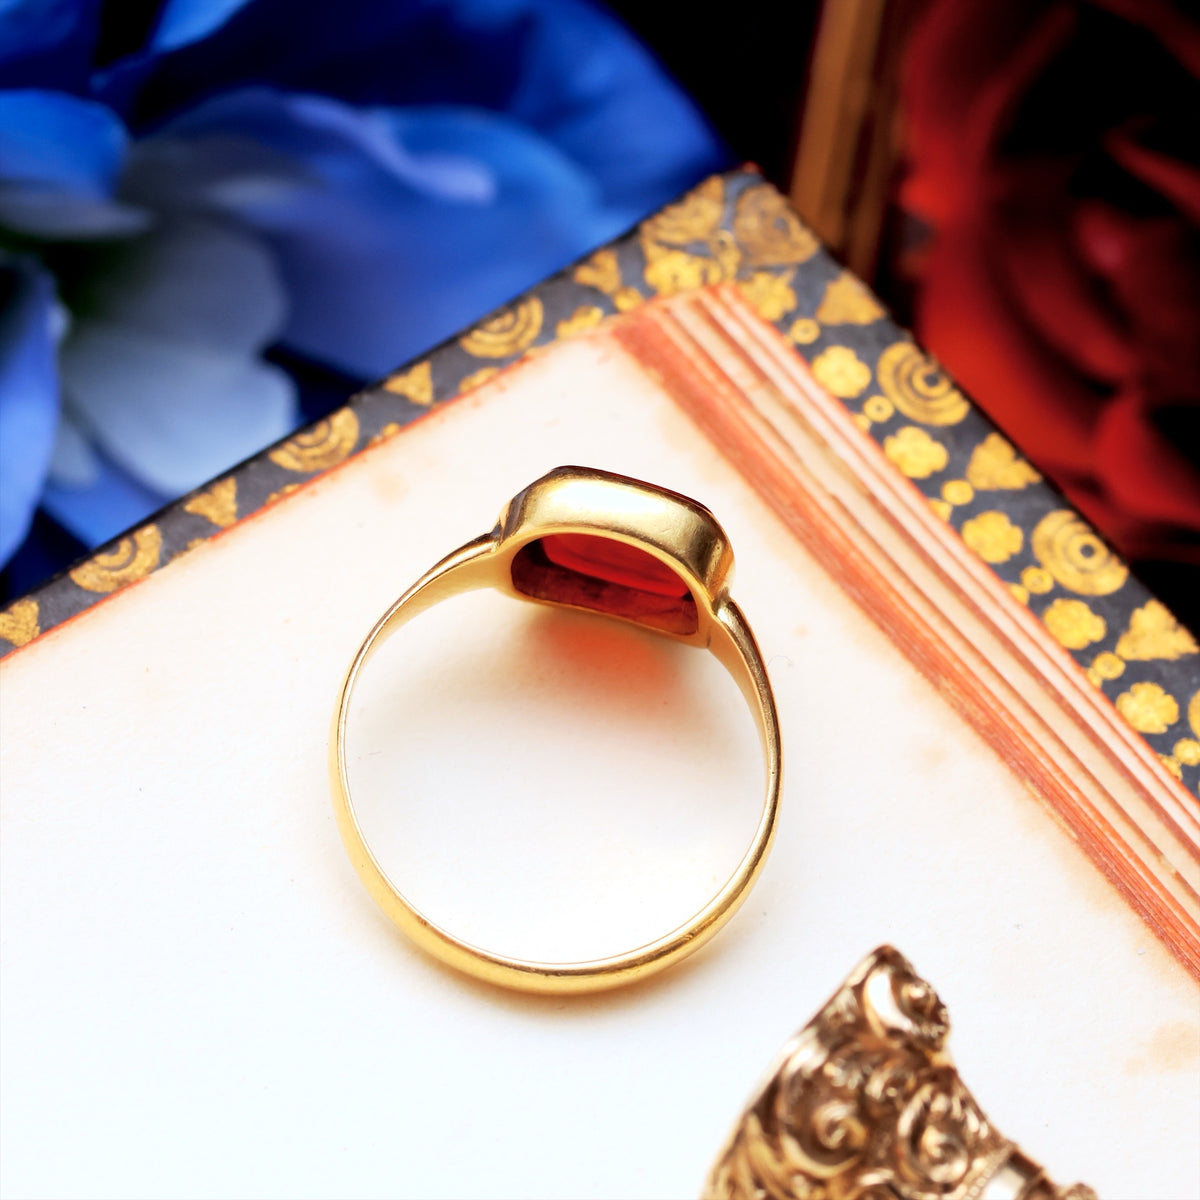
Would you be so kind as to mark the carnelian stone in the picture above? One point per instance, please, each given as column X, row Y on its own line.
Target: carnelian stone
column 614, row 562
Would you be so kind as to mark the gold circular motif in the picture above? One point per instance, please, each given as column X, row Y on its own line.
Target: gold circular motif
column 841, row 372
column 804, row 331
column 508, row 332
column 1148, row 708
column 957, row 491
column 992, row 536
column 1187, row 750
column 134, row 558
column 1037, row 579
column 768, row 231
column 320, row 447
column 941, row 509
column 918, row 387
column 1108, row 665
column 1072, row 552
column 916, row 454
column 878, row 408
column 1021, row 594
column 1072, row 624
column 1194, row 714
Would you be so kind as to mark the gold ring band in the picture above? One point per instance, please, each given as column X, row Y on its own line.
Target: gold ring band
column 589, row 540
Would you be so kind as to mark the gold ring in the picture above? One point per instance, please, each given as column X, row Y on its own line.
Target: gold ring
column 865, row 1102
column 587, row 540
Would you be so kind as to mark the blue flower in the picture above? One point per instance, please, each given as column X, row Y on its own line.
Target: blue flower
column 339, row 185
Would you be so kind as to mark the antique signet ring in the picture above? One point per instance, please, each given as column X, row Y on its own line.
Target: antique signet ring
column 865, row 1102
column 587, row 540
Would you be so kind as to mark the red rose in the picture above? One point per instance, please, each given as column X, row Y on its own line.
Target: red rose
column 1053, row 150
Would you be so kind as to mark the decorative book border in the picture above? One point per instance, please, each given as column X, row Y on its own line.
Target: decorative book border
column 738, row 229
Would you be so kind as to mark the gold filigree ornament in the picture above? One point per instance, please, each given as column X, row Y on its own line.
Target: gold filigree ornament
column 918, row 387
column 319, row 447
column 508, row 332
column 132, row 558
column 1075, row 556
column 864, row 1103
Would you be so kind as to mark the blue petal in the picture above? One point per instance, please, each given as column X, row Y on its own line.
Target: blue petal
column 47, row 43
column 52, row 214
column 170, row 414
column 161, row 367
column 564, row 67
column 193, row 281
column 110, row 503
column 60, row 141
column 28, row 396
column 380, row 255
column 186, row 21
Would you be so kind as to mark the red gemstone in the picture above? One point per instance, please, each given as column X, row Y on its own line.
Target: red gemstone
column 614, row 562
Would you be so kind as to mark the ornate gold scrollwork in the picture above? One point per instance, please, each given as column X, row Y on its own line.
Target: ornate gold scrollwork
column 865, row 1104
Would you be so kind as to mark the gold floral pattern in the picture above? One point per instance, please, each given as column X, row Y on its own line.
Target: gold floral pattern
column 1072, row 624
column 1148, row 708
column 995, row 466
column 470, row 382
column 993, row 536
column 602, row 271
column 918, row 387
column 737, row 228
column 771, row 295
column 416, row 383
column 1154, row 633
column 508, row 332
column 218, row 504
column 132, row 558
column 768, row 230
column 670, row 270
column 848, row 302
column 840, row 371
column 1076, row 557
column 957, row 492
column 19, row 622
column 695, row 218
column 915, row 452
column 586, row 317
column 320, row 446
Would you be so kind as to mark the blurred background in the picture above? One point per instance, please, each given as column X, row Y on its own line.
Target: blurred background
column 218, row 218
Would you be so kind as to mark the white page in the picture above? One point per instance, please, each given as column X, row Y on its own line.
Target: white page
column 200, row 999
